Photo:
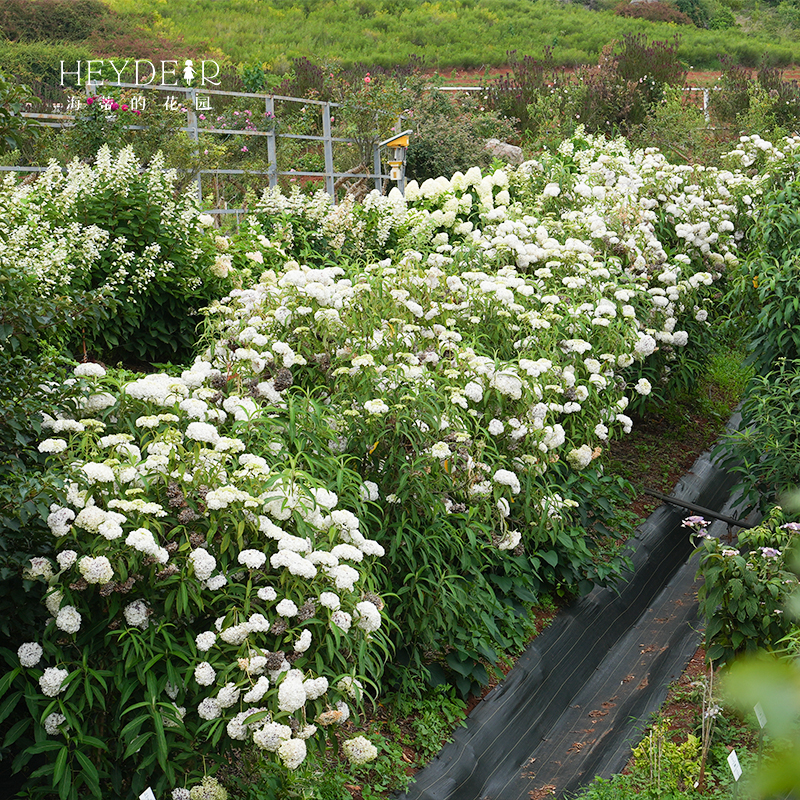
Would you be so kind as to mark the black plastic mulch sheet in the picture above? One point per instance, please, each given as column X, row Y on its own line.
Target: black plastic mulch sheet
column 578, row 699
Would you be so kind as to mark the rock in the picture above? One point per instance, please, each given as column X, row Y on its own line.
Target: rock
column 508, row 152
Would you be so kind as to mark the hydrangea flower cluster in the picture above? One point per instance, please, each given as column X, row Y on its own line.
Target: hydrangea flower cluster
column 264, row 566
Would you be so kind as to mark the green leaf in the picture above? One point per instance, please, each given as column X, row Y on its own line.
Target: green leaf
column 89, row 773
column 137, row 743
column 61, row 764
column 550, row 556
column 43, row 747
column 9, row 704
column 16, row 731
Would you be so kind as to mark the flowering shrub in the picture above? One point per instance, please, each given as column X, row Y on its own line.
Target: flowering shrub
column 746, row 587
column 236, row 119
column 488, row 358
column 201, row 595
column 764, row 283
column 434, row 377
column 139, row 255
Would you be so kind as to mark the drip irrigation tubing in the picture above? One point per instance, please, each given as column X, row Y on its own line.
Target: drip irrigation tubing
column 580, row 696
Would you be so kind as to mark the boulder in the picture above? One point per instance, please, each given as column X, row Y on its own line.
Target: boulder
column 505, row 151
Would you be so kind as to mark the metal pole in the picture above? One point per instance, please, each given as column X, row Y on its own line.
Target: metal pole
column 401, row 184
column 269, row 107
column 376, row 166
column 191, row 124
column 328, row 145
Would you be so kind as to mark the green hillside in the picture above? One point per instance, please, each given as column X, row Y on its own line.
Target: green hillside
column 451, row 33
column 446, row 35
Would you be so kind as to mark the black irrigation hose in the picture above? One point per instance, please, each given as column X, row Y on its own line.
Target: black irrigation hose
column 668, row 498
column 579, row 697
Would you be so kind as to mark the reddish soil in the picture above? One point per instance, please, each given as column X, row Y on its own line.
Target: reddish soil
column 482, row 77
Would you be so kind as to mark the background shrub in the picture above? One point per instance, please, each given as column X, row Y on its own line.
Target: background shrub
column 134, row 253
column 655, row 12
column 451, row 135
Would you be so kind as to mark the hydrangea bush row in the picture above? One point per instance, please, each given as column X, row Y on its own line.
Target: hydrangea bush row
column 208, row 589
column 428, row 380
column 479, row 343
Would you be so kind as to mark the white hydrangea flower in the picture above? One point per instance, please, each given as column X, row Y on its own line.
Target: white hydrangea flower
column 252, row 559
column 506, row 477
column 367, row 491
column 137, row 614
column 350, row 686
column 270, row 736
column 342, row 620
column 496, row 427
column 344, row 576
column 330, row 600
column 291, row 693
column 203, row 562
column 367, row 616
column 359, row 751
column 52, row 681
column 53, row 722
column 96, row 570
column 267, row 594
column 580, row 457
column 376, row 407
column 510, row 540
column 209, row 708
column 303, row 642
column 30, row 654
column 143, row 540
column 315, row 687
column 235, row 634
column 292, row 753
column 202, row 432
column 90, row 518
column 68, row 619
column 59, row 520
column 96, row 472
column 286, row 608
column 441, row 450
column 228, row 695
column 205, row 641
column 205, row 674
column 66, row 558
column 258, row 691
column 236, row 727
column 52, row 446
column 89, row 369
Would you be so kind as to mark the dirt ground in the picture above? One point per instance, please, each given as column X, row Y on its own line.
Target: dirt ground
column 482, row 77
